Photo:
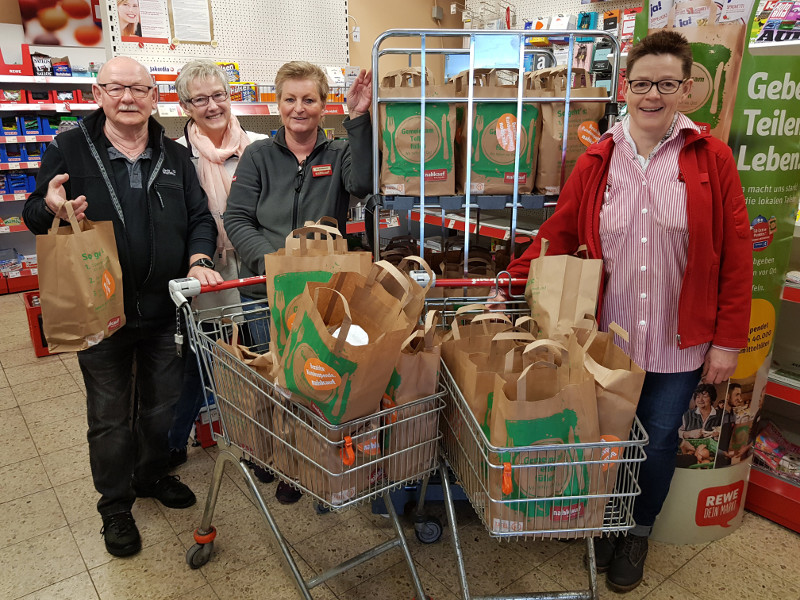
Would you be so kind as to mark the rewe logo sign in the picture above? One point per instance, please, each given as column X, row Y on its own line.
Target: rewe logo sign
column 719, row 505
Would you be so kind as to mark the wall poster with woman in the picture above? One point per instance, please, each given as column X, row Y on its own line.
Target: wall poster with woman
column 143, row 21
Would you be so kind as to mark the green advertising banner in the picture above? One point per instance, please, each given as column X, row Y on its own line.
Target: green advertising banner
column 707, row 495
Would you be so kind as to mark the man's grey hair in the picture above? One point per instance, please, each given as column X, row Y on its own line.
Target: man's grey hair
column 199, row 69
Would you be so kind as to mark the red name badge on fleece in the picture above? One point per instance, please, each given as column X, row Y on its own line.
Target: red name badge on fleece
column 321, row 171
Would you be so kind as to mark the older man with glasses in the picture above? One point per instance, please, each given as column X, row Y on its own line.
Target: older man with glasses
column 119, row 166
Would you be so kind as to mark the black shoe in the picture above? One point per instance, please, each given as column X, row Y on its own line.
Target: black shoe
column 168, row 490
column 177, row 456
column 262, row 474
column 604, row 547
column 286, row 494
column 627, row 567
column 121, row 534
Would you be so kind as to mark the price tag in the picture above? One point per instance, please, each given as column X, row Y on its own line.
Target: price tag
column 30, row 138
column 345, row 109
column 5, row 229
column 168, row 110
column 272, row 108
column 14, row 166
column 20, row 196
column 13, row 274
column 39, row 79
column 34, row 271
column 62, row 107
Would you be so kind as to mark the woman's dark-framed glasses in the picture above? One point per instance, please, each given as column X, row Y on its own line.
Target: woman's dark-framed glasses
column 665, row 86
column 116, row 90
column 199, row 101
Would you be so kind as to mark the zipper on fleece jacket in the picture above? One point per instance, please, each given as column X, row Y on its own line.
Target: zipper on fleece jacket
column 298, row 188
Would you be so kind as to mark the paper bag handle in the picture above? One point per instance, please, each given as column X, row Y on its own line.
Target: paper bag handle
column 582, row 249
column 347, row 453
column 76, row 228
column 531, row 348
column 526, row 320
column 302, row 232
column 422, row 263
column 344, row 328
column 543, row 248
column 431, row 321
column 379, row 272
column 508, row 485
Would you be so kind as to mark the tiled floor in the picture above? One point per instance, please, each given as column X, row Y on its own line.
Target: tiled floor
column 50, row 547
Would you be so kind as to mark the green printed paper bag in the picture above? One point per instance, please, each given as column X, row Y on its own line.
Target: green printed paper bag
column 494, row 130
column 301, row 261
column 341, row 381
column 400, row 138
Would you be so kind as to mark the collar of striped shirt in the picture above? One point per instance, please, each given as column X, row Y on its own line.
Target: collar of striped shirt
column 623, row 131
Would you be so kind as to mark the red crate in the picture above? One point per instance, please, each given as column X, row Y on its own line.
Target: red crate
column 3, row 285
column 34, row 313
column 25, row 281
column 208, row 418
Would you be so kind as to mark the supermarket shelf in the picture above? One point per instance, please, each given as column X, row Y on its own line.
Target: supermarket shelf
column 47, row 79
column 788, row 48
column 16, row 166
column 243, row 109
column 12, row 228
column 784, row 387
column 22, row 281
column 14, row 197
column 774, row 498
column 791, row 292
column 360, row 227
column 492, row 227
column 21, row 139
column 64, row 107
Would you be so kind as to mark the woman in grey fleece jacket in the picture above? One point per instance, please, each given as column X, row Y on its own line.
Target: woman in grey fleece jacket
column 298, row 175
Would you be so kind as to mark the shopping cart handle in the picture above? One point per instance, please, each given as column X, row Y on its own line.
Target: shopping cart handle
column 500, row 281
column 189, row 287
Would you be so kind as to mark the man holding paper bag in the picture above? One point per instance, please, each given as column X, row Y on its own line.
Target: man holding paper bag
column 661, row 203
column 119, row 166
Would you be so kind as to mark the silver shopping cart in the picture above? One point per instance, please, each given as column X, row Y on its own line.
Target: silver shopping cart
column 492, row 476
column 340, row 466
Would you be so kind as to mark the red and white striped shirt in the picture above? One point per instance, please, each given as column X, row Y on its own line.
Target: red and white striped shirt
column 644, row 236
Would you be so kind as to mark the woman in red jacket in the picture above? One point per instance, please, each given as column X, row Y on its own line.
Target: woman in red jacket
column 661, row 203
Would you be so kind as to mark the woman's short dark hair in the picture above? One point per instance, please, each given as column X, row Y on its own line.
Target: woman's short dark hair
column 706, row 388
column 666, row 41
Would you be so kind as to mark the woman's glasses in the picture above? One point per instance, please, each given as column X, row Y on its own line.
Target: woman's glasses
column 218, row 98
column 665, row 86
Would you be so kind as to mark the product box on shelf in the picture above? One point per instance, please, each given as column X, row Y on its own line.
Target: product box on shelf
column 167, row 92
column 611, row 21
column 34, row 313
column 48, row 124
column 30, row 183
column 15, row 183
column 10, row 126
column 41, row 64
column 29, row 125
column 34, row 150
column 10, row 153
column 40, row 96
column 68, row 96
column 244, row 91
column 61, row 67
column 13, row 96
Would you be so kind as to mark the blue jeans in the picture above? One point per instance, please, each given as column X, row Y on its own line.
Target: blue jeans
column 665, row 397
column 128, row 432
column 257, row 324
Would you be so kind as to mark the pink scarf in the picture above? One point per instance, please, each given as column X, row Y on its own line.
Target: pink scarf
column 213, row 175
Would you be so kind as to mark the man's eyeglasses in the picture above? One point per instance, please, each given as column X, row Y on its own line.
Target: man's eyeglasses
column 665, row 86
column 115, row 90
column 199, row 101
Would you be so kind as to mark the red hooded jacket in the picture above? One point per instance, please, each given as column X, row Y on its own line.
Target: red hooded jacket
column 714, row 303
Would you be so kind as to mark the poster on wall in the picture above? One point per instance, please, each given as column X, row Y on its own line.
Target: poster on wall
column 144, row 21
column 61, row 23
column 191, row 21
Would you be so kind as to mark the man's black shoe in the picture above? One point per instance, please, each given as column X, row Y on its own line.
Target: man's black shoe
column 604, row 547
column 177, row 456
column 286, row 494
column 121, row 534
column 262, row 474
column 627, row 567
column 168, row 490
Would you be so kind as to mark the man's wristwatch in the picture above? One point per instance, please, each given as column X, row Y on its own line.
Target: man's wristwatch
column 203, row 262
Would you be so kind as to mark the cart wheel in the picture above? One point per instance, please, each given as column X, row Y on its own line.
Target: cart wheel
column 321, row 509
column 198, row 554
column 428, row 531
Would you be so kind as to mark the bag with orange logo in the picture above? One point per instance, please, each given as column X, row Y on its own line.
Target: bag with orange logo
column 494, row 131
column 80, row 283
column 339, row 379
column 583, row 123
column 303, row 260
column 409, row 439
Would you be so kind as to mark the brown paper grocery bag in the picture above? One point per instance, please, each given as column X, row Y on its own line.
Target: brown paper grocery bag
column 583, row 128
column 400, row 137
column 410, row 439
column 303, row 260
column 80, row 283
column 341, row 381
column 242, row 382
column 552, row 403
column 494, row 130
column 561, row 289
